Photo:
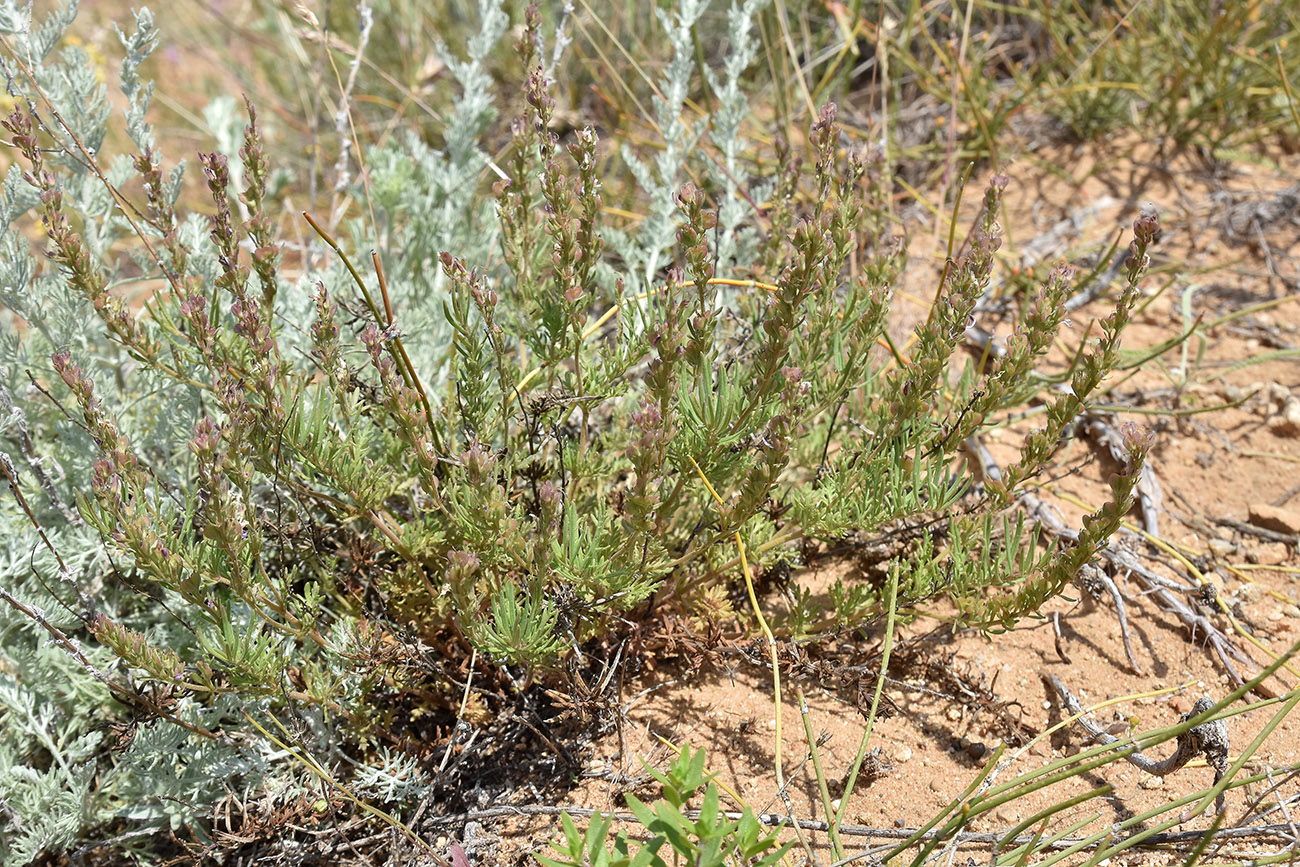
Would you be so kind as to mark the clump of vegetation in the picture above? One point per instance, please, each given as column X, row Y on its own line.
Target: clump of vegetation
column 255, row 483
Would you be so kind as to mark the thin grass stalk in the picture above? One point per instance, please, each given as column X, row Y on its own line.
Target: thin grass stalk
column 1202, row 581
column 1111, row 830
column 1157, row 736
column 1195, row 855
column 1014, row 854
column 783, row 20
column 403, row 360
column 1098, row 757
column 1038, row 835
column 1248, row 753
column 1205, row 797
column 1075, row 848
column 823, row 790
column 767, row 635
column 1103, row 262
column 975, row 110
column 925, row 829
column 1286, row 88
column 1047, row 733
column 952, row 241
column 1047, row 812
column 886, row 650
column 1094, row 758
column 1287, row 855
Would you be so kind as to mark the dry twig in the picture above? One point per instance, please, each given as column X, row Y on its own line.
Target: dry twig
column 1209, row 738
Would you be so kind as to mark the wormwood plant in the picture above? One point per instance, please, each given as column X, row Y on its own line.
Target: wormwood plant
column 240, row 478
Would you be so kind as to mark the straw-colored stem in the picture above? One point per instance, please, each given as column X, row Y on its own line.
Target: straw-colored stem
column 398, row 351
column 762, row 625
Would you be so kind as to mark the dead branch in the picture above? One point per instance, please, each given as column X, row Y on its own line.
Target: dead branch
column 1209, row 738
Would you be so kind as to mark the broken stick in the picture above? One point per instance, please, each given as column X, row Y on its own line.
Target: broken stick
column 1209, row 738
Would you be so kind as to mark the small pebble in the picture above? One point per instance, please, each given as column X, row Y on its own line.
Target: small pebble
column 1153, row 783
column 1276, row 518
column 903, row 754
column 1223, row 548
column 1286, row 423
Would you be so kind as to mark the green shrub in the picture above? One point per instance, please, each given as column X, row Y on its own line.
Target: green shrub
column 236, row 467
column 705, row 837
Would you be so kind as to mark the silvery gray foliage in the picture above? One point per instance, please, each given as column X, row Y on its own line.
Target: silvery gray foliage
column 50, row 704
column 736, row 239
column 71, row 84
column 342, row 166
column 397, row 777
column 226, row 121
column 35, row 41
column 168, row 777
column 647, row 251
column 44, row 809
column 138, row 46
column 432, row 199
